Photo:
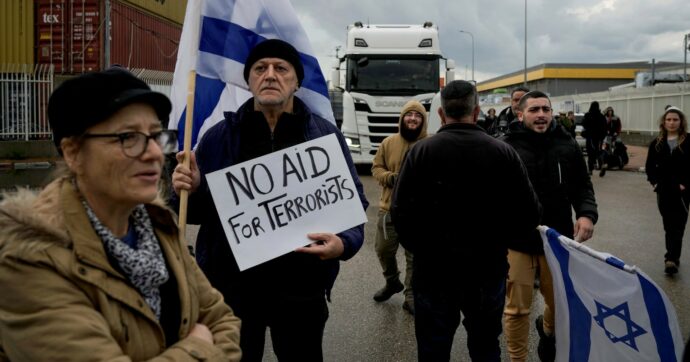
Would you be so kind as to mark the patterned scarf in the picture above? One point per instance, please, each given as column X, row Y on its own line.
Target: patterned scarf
column 145, row 266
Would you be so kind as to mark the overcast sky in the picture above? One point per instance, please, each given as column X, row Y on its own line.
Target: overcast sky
column 558, row 31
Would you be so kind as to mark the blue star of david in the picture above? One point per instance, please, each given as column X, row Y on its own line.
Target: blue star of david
column 623, row 312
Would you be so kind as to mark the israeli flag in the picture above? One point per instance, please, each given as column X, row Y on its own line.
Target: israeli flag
column 607, row 310
column 216, row 39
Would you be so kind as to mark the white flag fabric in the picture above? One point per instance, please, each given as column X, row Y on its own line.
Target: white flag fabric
column 607, row 310
column 216, row 39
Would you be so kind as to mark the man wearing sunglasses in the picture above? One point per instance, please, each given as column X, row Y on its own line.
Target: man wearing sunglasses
column 559, row 176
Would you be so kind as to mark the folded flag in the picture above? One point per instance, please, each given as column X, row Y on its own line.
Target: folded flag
column 607, row 310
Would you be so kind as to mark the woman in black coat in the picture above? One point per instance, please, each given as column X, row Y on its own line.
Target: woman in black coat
column 668, row 170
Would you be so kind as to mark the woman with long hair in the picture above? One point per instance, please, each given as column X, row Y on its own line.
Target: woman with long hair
column 668, row 170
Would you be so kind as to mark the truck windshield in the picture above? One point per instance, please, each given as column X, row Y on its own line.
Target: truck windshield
column 386, row 75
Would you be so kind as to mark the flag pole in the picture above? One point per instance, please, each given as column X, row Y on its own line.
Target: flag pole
column 186, row 148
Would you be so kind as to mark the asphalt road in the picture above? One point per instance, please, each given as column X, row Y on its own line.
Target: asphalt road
column 360, row 329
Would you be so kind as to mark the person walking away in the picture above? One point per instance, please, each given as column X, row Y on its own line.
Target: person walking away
column 594, row 125
column 287, row 294
column 613, row 130
column 92, row 266
column 559, row 176
column 668, row 170
column 385, row 169
column 460, row 261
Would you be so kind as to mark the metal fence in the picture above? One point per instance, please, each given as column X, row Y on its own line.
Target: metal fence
column 24, row 93
column 638, row 108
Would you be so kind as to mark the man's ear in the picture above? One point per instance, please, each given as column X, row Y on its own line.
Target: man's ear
column 519, row 115
column 475, row 114
column 442, row 115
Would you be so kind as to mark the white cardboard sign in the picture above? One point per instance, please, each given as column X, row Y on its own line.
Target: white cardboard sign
column 269, row 204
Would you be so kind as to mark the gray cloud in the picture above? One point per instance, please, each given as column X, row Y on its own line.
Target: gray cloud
column 566, row 31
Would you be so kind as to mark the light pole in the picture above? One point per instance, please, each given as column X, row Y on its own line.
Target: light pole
column 471, row 36
column 525, row 80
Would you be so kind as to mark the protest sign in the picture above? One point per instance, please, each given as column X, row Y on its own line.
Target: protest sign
column 269, row 204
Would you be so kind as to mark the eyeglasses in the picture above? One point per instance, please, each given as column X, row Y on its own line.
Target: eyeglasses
column 134, row 144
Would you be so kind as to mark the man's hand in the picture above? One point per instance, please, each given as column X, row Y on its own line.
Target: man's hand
column 584, row 228
column 186, row 178
column 326, row 246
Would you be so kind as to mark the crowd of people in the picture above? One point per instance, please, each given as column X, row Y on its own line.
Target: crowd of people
column 93, row 266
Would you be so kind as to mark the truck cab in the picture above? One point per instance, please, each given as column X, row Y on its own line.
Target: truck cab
column 383, row 67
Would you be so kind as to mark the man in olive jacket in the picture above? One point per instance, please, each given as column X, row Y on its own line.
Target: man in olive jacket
column 387, row 163
column 559, row 175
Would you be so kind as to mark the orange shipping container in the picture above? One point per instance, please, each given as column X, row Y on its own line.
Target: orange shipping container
column 142, row 40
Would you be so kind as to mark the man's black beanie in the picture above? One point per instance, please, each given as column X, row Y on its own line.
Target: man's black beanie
column 275, row 48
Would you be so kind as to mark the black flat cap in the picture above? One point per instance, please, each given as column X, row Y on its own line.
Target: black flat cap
column 92, row 98
column 275, row 48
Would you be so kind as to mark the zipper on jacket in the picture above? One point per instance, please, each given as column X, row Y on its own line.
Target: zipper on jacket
column 560, row 176
column 273, row 145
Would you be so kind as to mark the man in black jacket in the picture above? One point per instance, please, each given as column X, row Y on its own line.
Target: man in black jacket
column 459, row 254
column 558, row 173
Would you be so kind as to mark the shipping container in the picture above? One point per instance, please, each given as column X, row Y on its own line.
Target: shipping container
column 16, row 32
column 142, row 40
column 69, row 35
column 170, row 9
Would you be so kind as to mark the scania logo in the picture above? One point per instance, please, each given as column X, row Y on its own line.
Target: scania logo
column 397, row 104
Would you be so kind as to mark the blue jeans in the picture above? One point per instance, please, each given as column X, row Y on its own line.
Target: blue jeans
column 438, row 304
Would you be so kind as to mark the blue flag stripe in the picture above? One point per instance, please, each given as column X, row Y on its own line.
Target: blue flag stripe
column 658, row 317
column 206, row 98
column 579, row 316
column 234, row 42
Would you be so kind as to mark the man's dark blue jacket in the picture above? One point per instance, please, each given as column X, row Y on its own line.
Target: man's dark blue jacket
column 222, row 146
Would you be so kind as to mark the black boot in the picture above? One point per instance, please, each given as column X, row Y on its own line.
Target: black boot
column 386, row 292
column 547, row 344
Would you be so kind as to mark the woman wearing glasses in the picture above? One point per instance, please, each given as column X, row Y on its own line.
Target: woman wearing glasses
column 92, row 267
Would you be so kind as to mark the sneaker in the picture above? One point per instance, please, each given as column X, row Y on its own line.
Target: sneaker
column 408, row 306
column 670, row 267
column 547, row 344
column 387, row 291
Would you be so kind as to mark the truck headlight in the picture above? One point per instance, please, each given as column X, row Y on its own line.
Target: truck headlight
column 352, row 143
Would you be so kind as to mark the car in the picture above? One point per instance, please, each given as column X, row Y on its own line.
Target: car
column 581, row 141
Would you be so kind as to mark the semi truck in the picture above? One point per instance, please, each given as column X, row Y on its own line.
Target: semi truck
column 383, row 67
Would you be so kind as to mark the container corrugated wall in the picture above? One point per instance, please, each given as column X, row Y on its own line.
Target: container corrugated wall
column 170, row 9
column 142, row 40
column 69, row 35
column 16, row 32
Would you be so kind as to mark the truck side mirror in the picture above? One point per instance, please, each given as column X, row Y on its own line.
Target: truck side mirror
column 450, row 64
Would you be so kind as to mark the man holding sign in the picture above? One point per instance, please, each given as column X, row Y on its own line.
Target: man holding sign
column 288, row 293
